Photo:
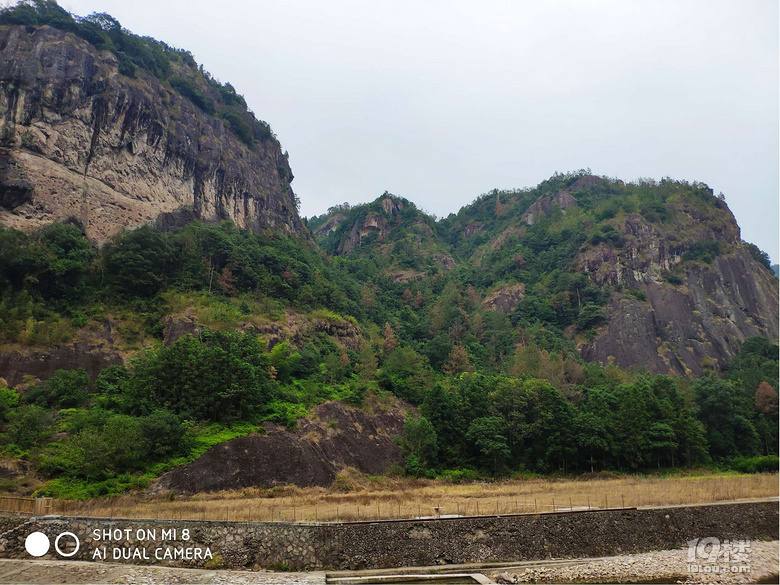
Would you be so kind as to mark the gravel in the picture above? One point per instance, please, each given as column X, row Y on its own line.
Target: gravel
column 670, row 566
column 666, row 566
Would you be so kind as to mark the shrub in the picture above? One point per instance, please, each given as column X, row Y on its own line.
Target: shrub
column 189, row 89
column 28, row 425
column 459, row 475
column 591, row 315
column 758, row 255
column 8, row 400
column 286, row 413
column 765, row 464
column 65, row 389
column 674, row 279
column 703, row 252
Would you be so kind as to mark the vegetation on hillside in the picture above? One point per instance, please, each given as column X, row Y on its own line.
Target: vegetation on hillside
column 496, row 393
column 499, row 391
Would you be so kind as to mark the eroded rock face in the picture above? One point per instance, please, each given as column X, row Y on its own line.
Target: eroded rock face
column 506, row 298
column 339, row 436
column 331, row 225
column 80, row 140
column 687, row 328
column 562, row 200
column 372, row 223
column 586, row 181
column 94, row 349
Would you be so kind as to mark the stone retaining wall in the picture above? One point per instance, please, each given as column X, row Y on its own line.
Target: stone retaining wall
column 283, row 545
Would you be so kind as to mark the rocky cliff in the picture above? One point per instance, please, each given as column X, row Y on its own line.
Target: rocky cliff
column 82, row 140
column 334, row 437
column 681, row 290
column 681, row 315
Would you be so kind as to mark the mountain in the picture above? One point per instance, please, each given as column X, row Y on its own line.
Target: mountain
column 649, row 274
column 116, row 130
column 111, row 131
column 393, row 231
column 166, row 315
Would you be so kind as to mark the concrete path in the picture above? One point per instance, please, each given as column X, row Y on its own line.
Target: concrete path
column 88, row 573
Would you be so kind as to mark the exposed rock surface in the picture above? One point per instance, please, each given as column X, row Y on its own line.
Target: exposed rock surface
column 93, row 349
column 562, row 200
column 392, row 227
column 472, row 228
column 685, row 328
column 372, row 223
column 506, row 298
column 340, row 436
column 332, row 224
column 80, row 140
column 586, row 181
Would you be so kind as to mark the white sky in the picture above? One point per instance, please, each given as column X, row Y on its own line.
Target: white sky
column 439, row 101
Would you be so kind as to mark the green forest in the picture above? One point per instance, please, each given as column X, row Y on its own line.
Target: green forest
column 475, row 320
column 496, row 394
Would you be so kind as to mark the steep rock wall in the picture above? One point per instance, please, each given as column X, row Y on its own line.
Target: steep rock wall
column 687, row 327
column 80, row 140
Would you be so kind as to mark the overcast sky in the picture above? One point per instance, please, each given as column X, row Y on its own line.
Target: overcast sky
column 440, row 101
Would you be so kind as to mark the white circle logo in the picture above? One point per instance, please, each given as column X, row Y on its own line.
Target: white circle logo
column 57, row 544
column 37, row 544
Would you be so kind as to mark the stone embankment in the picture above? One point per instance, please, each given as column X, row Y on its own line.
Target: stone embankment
column 384, row 544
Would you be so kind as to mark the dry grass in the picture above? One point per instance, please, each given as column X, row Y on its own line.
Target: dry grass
column 355, row 497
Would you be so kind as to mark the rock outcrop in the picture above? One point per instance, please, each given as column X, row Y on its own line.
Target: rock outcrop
column 332, row 224
column 94, row 348
column 562, row 200
column 505, row 298
column 78, row 139
column 687, row 327
column 389, row 228
column 377, row 222
column 338, row 436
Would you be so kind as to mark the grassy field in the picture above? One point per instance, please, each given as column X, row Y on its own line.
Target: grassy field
column 354, row 497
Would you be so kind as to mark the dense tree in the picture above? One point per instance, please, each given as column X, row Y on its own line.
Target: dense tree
column 420, row 445
column 28, row 425
column 485, row 434
column 407, row 374
column 726, row 415
column 65, row 389
column 216, row 376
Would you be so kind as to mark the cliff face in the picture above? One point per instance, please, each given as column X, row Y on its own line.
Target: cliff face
column 684, row 291
column 80, row 140
column 700, row 320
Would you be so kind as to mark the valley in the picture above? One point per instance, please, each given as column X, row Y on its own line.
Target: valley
column 170, row 324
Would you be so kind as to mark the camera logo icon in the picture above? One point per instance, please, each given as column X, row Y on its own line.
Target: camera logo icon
column 37, row 544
